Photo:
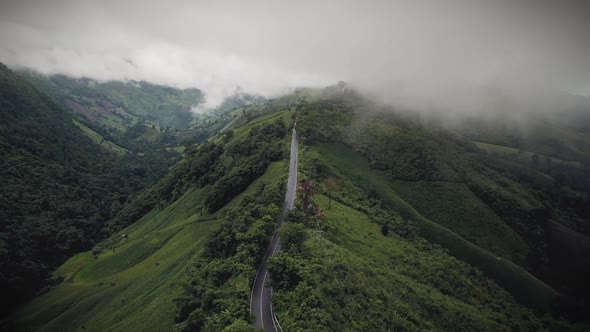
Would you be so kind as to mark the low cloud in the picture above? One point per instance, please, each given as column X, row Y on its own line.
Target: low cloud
column 414, row 52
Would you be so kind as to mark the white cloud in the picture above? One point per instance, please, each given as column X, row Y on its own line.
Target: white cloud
column 397, row 49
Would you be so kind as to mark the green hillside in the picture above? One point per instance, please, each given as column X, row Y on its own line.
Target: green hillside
column 60, row 184
column 136, row 277
column 521, row 154
column 131, row 283
column 450, row 204
column 344, row 163
column 491, row 209
column 455, row 207
column 119, row 104
column 555, row 139
column 352, row 277
column 398, row 225
column 98, row 139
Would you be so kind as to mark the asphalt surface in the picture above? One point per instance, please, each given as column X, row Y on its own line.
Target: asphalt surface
column 260, row 299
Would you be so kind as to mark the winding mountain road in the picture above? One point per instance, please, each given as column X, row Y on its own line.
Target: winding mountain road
column 260, row 298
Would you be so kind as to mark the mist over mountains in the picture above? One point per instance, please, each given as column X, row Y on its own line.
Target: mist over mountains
column 348, row 166
column 415, row 53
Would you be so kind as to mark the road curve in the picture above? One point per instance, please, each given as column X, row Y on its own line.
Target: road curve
column 260, row 303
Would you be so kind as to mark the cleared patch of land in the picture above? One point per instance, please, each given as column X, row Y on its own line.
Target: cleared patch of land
column 98, row 139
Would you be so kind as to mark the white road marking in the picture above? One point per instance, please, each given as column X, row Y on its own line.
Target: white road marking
column 262, row 297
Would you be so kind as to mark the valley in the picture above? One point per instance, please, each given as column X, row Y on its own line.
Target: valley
column 394, row 223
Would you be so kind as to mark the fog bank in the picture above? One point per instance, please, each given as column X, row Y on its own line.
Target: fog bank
column 418, row 53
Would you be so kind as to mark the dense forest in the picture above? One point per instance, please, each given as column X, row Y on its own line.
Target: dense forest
column 59, row 185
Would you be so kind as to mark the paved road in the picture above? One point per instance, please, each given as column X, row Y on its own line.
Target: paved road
column 260, row 304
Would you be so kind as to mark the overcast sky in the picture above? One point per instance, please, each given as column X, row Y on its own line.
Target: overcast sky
column 395, row 49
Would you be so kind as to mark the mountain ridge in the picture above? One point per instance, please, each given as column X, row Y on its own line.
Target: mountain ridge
column 374, row 180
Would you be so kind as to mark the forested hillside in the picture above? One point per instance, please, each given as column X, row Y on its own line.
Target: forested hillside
column 398, row 224
column 203, row 227
column 59, row 185
column 518, row 206
column 118, row 104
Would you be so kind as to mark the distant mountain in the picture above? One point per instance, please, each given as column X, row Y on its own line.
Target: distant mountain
column 237, row 100
column 117, row 104
column 547, row 122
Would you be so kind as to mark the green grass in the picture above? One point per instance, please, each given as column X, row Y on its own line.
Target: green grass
column 496, row 148
column 111, row 120
column 241, row 132
column 354, row 170
column 101, row 297
column 455, row 207
column 150, row 134
column 98, row 139
column 521, row 154
column 132, row 283
column 179, row 149
column 356, row 279
column 240, row 117
column 254, row 115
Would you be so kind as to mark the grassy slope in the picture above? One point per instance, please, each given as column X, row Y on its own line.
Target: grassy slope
column 525, row 155
column 163, row 105
column 158, row 104
column 455, row 207
column 240, row 118
column 241, row 132
column 98, row 139
column 151, row 134
column 260, row 113
column 548, row 138
column 132, row 284
column 63, row 88
column 496, row 148
column 346, row 164
column 133, row 281
column 364, row 281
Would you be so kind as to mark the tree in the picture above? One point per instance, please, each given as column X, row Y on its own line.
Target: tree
column 332, row 185
column 384, row 229
column 311, row 212
column 228, row 136
column 285, row 272
column 293, row 236
column 306, row 192
column 295, row 216
column 240, row 325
